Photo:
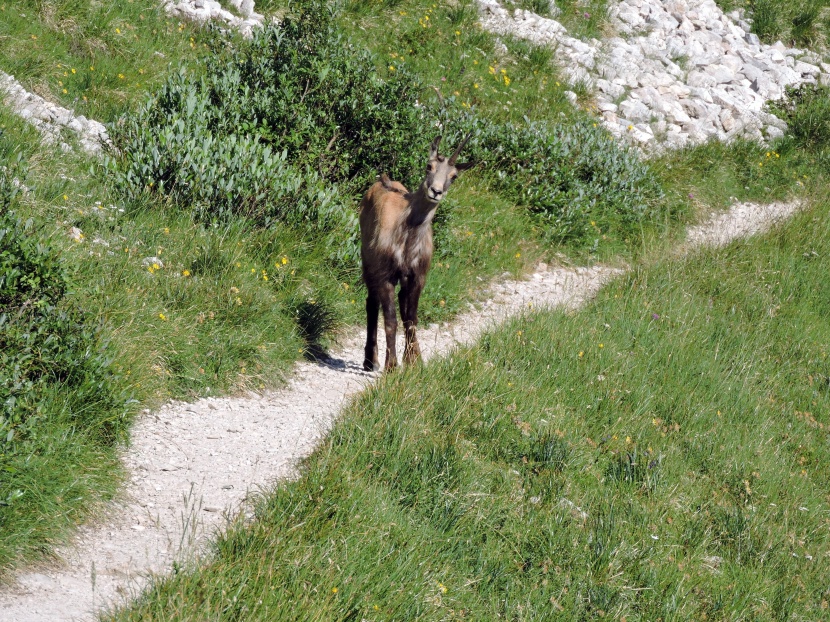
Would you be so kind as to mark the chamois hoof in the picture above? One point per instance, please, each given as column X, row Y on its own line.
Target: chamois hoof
column 368, row 365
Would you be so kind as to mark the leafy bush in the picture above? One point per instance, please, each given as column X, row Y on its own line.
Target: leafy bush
column 576, row 178
column 294, row 125
column 53, row 363
column 287, row 127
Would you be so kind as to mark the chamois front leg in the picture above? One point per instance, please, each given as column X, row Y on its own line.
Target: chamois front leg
column 370, row 353
column 409, row 301
column 386, row 294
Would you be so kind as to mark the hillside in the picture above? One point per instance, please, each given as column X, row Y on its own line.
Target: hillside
column 203, row 240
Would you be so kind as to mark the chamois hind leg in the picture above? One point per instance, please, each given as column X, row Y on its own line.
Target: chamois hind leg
column 386, row 294
column 370, row 353
column 411, row 351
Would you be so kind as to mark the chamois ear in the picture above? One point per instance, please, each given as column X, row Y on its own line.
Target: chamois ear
column 465, row 166
column 433, row 149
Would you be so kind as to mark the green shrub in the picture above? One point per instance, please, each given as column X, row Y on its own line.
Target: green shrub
column 576, row 178
column 288, row 127
column 294, row 125
column 53, row 362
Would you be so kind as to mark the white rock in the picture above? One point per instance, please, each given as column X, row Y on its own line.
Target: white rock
column 730, row 73
column 726, row 119
column 635, row 110
column 806, row 69
column 773, row 132
column 721, row 73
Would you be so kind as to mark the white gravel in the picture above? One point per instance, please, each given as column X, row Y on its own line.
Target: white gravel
column 192, row 464
column 741, row 221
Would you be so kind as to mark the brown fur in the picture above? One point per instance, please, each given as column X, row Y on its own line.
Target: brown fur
column 396, row 248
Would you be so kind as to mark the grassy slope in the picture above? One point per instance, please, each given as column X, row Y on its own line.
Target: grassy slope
column 208, row 322
column 95, row 58
column 660, row 454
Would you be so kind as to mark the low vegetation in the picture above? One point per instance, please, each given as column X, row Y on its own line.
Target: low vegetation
column 94, row 58
column 802, row 23
column 543, row 476
column 206, row 255
column 58, row 390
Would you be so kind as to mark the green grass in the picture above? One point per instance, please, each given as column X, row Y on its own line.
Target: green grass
column 443, row 44
column 94, row 58
column 233, row 305
column 802, row 23
column 661, row 454
column 584, row 20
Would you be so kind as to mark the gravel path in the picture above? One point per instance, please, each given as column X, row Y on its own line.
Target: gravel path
column 193, row 463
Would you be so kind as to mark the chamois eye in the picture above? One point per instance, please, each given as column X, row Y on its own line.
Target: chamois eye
column 454, row 177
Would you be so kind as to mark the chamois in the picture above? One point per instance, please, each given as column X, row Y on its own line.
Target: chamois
column 396, row 247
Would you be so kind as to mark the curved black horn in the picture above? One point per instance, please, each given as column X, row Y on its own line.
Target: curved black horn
column 433, row 148
column 459, row 148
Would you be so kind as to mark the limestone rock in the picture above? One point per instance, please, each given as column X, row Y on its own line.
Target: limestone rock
column 684, row 71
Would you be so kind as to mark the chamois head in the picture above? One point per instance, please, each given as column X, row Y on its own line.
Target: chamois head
column 441, row 172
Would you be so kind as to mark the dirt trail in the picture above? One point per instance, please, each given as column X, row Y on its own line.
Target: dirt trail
column 192, row 463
